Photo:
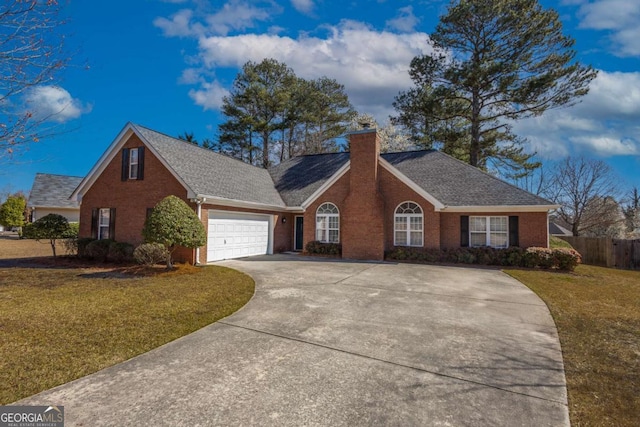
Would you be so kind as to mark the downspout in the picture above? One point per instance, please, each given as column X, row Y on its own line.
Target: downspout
column 199, row 213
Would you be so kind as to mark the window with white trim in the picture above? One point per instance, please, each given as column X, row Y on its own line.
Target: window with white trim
column 104, row 219
column 328, row 223
column 408, row 225
column 133, row 163
column 489, row 231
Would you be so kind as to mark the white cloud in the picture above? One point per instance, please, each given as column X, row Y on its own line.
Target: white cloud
column 620, row 17
column 303, row 6
column 372, row 65
column 53, row 103
column 209, row 95
column 234, row 15
column 605, row 123
column 405, row 21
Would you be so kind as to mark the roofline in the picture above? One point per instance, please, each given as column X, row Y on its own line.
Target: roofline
column 500, row 208
column 222, row 201
column 127, row 131
column 324, row 187
column 437, row 204
column 53, row 206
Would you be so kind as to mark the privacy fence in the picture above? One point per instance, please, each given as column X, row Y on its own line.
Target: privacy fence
column 607, row 252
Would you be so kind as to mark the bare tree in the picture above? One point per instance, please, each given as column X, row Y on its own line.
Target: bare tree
column 631, row 212
column 577, row 184
column 31, row 54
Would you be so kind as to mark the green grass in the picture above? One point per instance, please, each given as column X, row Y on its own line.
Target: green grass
column 556, row 242
column 57, row 325
column 597, row 313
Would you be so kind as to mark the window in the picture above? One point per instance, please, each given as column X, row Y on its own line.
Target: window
column 133, row 163
column 489, row 231
column 328, row 223
column 408, row 225
column 104, row 219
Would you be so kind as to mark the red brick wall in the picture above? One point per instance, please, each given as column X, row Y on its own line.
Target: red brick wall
column 395, row 192
column 363, row 230
column 130, row 198
column 335, row 194
column 532, row 228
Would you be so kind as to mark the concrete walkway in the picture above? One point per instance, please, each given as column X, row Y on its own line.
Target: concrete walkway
column 345, row 344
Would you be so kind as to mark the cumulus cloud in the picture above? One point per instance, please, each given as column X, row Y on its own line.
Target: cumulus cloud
column 53, row 103
column 209, row 95
column 619, row 17
column 373, row 65
column 235, row 15
column 303, row 6
column 405, row 21
column 605, row 123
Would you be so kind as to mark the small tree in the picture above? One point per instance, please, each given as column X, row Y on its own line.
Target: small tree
column 173, row 223
column 12, row 212
column 51, row 227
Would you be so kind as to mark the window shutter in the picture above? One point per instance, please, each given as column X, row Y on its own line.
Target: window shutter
column 513, row 231
column 149, row 210
column 112, row 223
column 125, row 164
column 464, row 231
column 140, row 163
column 94, row 223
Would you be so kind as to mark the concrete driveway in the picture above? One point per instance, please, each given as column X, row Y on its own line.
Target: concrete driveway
column 345, row 344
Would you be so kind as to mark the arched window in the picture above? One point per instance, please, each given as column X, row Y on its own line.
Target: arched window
column 328, row 223
column 408, row 225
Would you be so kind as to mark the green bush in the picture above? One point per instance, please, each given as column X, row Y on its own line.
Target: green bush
column 81, row 246
column 74, row 229
column 559, row 259
column 150, row 254
column 28, row 231
column 320, row 248
column 98, row 249
column 120, row 252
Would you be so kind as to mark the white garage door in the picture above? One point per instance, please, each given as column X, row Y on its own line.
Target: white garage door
column 235, row 235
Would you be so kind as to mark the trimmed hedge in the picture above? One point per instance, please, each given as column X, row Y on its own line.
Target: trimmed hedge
column 560, row 259
column 98, row 249
column 320, row 248
column 120, row 252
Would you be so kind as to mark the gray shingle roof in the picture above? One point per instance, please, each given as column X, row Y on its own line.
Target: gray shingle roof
column 212, row 174
column 455, row 183
column 53, row 190
column 298, row 178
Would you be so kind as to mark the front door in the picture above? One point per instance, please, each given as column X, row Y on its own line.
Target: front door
column 298, row 233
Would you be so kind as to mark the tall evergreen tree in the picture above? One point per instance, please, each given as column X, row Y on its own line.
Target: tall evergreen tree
column 495, row 61
column 273, row 115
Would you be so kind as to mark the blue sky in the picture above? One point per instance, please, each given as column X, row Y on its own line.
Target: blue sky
column 166, row 64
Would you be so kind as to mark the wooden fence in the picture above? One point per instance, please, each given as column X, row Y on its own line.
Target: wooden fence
column 607, row 252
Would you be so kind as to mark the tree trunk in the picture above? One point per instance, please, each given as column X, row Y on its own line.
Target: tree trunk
column 474, row 149
column 53, row 246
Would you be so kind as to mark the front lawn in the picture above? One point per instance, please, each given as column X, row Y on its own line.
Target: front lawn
column 59, row 324
column 13, row 248
column 597, row 312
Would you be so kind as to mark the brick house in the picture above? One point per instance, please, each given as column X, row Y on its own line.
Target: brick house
column 367, row 201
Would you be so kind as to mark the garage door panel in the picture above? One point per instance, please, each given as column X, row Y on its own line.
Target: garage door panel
column 234, row 235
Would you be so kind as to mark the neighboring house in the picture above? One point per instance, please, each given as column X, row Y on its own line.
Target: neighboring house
column 556, row 229
column 50, row 194
column 365, row 201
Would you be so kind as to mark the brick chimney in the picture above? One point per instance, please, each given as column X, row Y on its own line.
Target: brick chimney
column 363, row 219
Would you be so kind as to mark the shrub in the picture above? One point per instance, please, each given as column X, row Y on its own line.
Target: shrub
column 81, row 246
column 150, row 254
column 70, row 246
column 98, row 249
column 320, row 248
column 567, row 259
column 51, row 227
column 560, row 259
column 28, row 231
column 173, row 223
column 73, row 231
column 120, row 252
